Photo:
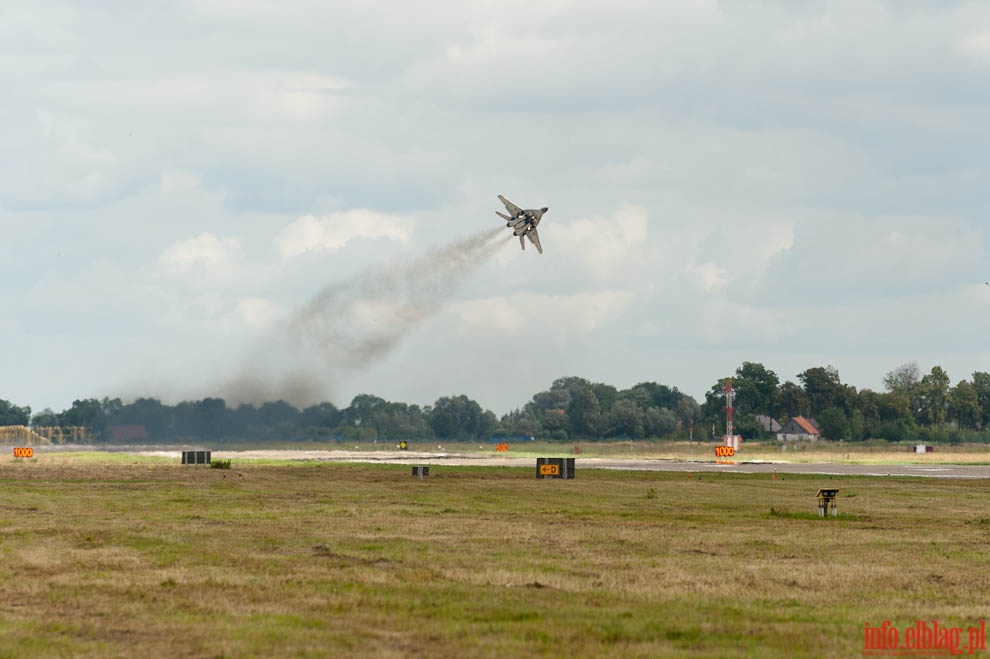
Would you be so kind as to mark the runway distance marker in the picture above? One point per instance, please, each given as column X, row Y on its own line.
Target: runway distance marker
column 724, row 451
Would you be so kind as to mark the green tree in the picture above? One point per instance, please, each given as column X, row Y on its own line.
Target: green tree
column 824, row 389
column 857, row 426
column 12, row 415
column 964, row 406
column 242, row 422
column 792, row 401
column 755, row 389
column 398, row 420
column 575, row 407
column 834, row 423
column 905, row 378
column 894, row 406
column 900, row 430
column 981, row 384
column 746, row 426
column 934, row 397
column 653, row 394
column 519, row 423
column 660, row 422
column 87, row 413
column 877, row 410
column 585, row 414
column 606, row 395
column 156, row 417
column 559, row 396
column 363, row 408
column 689, row 414
column 893, row 418
column 321, row 415
column 555, row 424
column 111, row 406
column 277, row 413
column 459, row 417
column 45, row 418
column 713, row 409
column 210, row 415
column 626, row 420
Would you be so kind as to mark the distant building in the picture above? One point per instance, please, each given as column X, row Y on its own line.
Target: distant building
column 128, row 433
column 799, row 428
column 768, row 423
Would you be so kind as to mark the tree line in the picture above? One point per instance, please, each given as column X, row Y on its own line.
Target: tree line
column 912, row 407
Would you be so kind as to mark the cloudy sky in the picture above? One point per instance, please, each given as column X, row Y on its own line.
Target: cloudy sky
column 251, row 198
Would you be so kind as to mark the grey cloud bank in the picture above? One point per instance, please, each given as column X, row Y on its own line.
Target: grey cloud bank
column 798, row 184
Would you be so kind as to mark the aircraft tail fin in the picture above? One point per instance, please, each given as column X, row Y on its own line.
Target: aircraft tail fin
column 503, row 216
column 522, row 243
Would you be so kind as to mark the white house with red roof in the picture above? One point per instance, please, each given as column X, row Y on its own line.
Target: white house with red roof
column 799, row 428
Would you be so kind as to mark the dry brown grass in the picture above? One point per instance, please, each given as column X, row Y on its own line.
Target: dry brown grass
column 157, row 559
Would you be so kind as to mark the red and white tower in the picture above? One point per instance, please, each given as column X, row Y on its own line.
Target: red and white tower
column 730, row 438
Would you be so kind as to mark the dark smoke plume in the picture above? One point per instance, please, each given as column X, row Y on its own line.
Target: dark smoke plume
column 356, row 322
column 350, row 325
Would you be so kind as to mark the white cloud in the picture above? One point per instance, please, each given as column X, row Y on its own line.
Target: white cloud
column 779, row 239
column 258, row 312
column 203, row 252
column 711, row 276
column 777, row 180
column 976, row 45
column 490, row 314
column 331, row 233
column 607, row 246
column 854, row 257
column 542, row 317
column 256, row 94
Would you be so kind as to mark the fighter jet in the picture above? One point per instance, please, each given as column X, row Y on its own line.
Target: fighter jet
column 523, row 222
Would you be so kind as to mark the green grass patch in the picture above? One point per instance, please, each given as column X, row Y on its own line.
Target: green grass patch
column 790, row 514
column 120, row 558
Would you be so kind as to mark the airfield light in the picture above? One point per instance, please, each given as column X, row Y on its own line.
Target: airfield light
column 826, row 503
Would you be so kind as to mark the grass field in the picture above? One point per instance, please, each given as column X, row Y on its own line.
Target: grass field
column 145, row 557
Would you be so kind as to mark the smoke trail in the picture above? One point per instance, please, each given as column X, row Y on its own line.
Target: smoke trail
column 351, row 324
column 356, row 322
column 276, row 376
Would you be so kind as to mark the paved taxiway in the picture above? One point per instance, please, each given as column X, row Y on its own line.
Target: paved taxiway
column 631, row 464
column 490, row 459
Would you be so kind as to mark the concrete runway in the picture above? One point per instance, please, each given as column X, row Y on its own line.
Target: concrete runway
column 936, row 471
column 490, row 459
column 630, row 464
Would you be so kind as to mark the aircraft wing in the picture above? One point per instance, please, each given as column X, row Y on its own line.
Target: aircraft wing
column 509, row 206
column 535, row 239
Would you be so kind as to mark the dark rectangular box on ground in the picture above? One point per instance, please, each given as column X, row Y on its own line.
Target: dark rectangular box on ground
column 555, row 467
column 420, row 471
column 196, row 457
